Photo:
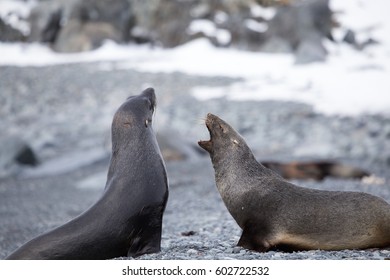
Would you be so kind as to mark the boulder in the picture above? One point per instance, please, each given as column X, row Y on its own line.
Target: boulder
column 350, row 38
column 9, row 34
column 310, row 50
column 45, row 20
column 291, row 26
column 81, row 25
column 77, row 36
column 163, row 21
column 300, row 26
column 15, row 153
column 117, row 13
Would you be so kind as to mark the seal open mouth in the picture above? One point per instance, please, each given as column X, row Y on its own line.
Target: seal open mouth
column 207, row 144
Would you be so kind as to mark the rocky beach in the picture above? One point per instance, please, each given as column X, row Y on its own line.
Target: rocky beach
column 64, row 112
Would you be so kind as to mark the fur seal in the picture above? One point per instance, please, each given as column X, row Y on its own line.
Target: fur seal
column 127, row 219
column 315, row 170
column 276, row 214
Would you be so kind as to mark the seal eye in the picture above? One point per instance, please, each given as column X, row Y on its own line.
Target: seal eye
column 223, row 128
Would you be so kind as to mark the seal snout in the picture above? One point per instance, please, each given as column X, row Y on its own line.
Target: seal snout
column 151, row 95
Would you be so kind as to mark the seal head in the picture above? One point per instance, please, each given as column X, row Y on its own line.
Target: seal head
column 224, row 141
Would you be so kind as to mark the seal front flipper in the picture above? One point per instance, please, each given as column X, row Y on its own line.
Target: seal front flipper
column 147, row 243
column 251, row 241
column 146, row 237
column 139, row 247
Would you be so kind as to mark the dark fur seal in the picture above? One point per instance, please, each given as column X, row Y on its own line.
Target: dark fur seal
column 275, row 214
column 315, row 170
column 127, row 219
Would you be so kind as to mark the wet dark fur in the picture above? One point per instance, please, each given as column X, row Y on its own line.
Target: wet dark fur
column 127, row 219
column 275, row 214
column 315, row 170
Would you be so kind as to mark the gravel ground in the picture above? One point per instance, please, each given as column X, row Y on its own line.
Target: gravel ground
column 52, row 108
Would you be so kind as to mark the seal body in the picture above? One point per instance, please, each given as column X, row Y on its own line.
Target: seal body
column 315, row 170
column 127, row 219
column 276, row 214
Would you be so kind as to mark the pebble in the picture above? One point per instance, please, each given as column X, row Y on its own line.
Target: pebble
column 192, row 251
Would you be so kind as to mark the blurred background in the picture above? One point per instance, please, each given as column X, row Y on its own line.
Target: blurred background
column 301, row 80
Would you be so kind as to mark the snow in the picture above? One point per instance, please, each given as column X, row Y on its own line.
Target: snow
column 15, row 13
column 208, row 28
column 350, row 82
column 256, row 26
column 266, row 13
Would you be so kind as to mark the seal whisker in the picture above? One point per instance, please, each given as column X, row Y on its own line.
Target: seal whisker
column 200, row 120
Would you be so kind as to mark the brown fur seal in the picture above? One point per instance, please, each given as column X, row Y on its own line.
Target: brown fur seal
column 275, row 214
column 127, row 219
column 315, row 170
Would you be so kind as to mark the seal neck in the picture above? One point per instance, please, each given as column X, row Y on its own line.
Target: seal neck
column 242, row 164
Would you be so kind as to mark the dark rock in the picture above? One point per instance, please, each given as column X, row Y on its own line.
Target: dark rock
column 15, row 152
column 302, row 25
column 188, row 233
column 76, row 36
column 117, row 13
column 163, row 21
column 26, row 156
column 83, row 25
column 310, row 51
column 350, row 37
column 9, row 34
column 45, row 20
column 73, row 26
